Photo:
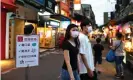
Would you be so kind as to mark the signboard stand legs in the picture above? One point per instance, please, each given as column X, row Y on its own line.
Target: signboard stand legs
column 27, row 73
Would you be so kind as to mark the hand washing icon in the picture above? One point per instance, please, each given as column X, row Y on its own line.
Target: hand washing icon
column 33, row 44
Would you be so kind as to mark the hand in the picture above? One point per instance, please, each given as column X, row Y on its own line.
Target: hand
column 90, row 73
column 72, row 78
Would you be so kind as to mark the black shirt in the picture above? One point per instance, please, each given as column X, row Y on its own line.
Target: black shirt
column 98, row 50
column 73, row 52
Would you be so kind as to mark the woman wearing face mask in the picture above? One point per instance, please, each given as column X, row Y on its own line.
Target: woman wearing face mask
column 70, row 47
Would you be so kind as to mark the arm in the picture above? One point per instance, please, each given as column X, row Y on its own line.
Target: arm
column 78, row 62
column 85, row 62
column 89, row 71
column 67, row 60
column 113, row 47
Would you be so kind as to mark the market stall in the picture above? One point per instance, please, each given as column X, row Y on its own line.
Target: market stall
column 128, row 37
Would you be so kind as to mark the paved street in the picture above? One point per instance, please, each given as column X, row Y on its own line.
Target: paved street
column 50, row 66
column 49, row 69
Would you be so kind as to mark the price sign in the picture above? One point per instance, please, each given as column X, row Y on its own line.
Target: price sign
column 27, row 50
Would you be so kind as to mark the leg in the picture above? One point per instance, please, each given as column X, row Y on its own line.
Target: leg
column 65, row 75
column 84, row 77
column 76, row 75
column 99, row 64
column 95, row 61
column 119, row 66
column 117, row 62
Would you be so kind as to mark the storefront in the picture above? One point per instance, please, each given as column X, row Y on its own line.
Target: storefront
column 47, row 26
column 63, row 26
column 15, row 23
column 128, row 37
column 48, row 33
column 6, row 7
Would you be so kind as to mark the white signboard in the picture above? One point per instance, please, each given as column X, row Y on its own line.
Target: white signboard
column 27, row 50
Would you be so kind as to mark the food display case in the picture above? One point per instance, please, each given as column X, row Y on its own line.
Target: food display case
column 128, row 38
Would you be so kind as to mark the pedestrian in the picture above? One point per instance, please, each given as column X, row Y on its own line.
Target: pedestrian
column 71, row 49
column 98, row 48
column 86, row 60
column 119, row 55
column 29, row 29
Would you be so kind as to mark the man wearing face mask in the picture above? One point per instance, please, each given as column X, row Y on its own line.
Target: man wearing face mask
column 86, row 61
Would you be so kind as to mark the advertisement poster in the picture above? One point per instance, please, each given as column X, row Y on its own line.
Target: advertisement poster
column 27, row 50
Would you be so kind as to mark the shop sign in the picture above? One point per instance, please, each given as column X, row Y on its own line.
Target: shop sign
column 64, row 7
column 54, row 23
column 50, row 6
column 36, row 3
column 27, row 50
column 77, row 2
column 64, row 24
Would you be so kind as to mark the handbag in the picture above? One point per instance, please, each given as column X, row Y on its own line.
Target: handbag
column 110, row 57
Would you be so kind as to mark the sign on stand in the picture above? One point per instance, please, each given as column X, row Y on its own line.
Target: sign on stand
column 27, row 50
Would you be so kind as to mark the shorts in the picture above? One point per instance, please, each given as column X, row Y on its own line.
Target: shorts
column 98, row 60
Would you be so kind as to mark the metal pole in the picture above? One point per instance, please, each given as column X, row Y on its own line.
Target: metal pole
column 27, row 73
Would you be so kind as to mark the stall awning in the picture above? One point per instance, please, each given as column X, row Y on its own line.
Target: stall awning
column 60, row 17
column 80, row 18
column 125, row 19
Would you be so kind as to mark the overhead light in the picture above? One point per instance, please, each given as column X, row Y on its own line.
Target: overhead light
column 77, row 6
column 44, row 13
column 40, row 9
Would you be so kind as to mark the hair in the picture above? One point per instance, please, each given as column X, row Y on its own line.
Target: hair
column 98, row 40
column 85, row 23
column 68, row 35
column 119, row 35
column 28, row 29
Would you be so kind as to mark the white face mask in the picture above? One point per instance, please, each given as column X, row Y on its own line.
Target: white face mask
column 90, row 29
column 74, row 34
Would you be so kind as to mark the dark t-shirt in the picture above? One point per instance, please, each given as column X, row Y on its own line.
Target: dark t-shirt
column 73, row 52
column 98, row 50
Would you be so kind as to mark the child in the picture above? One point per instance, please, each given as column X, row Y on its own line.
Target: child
column 98, row 48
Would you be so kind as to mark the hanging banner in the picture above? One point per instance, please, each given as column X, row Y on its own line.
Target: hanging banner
column 50, row 6
column 27, row 50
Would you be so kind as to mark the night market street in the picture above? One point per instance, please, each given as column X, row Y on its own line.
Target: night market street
column 34, row 33
column 50, row 66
